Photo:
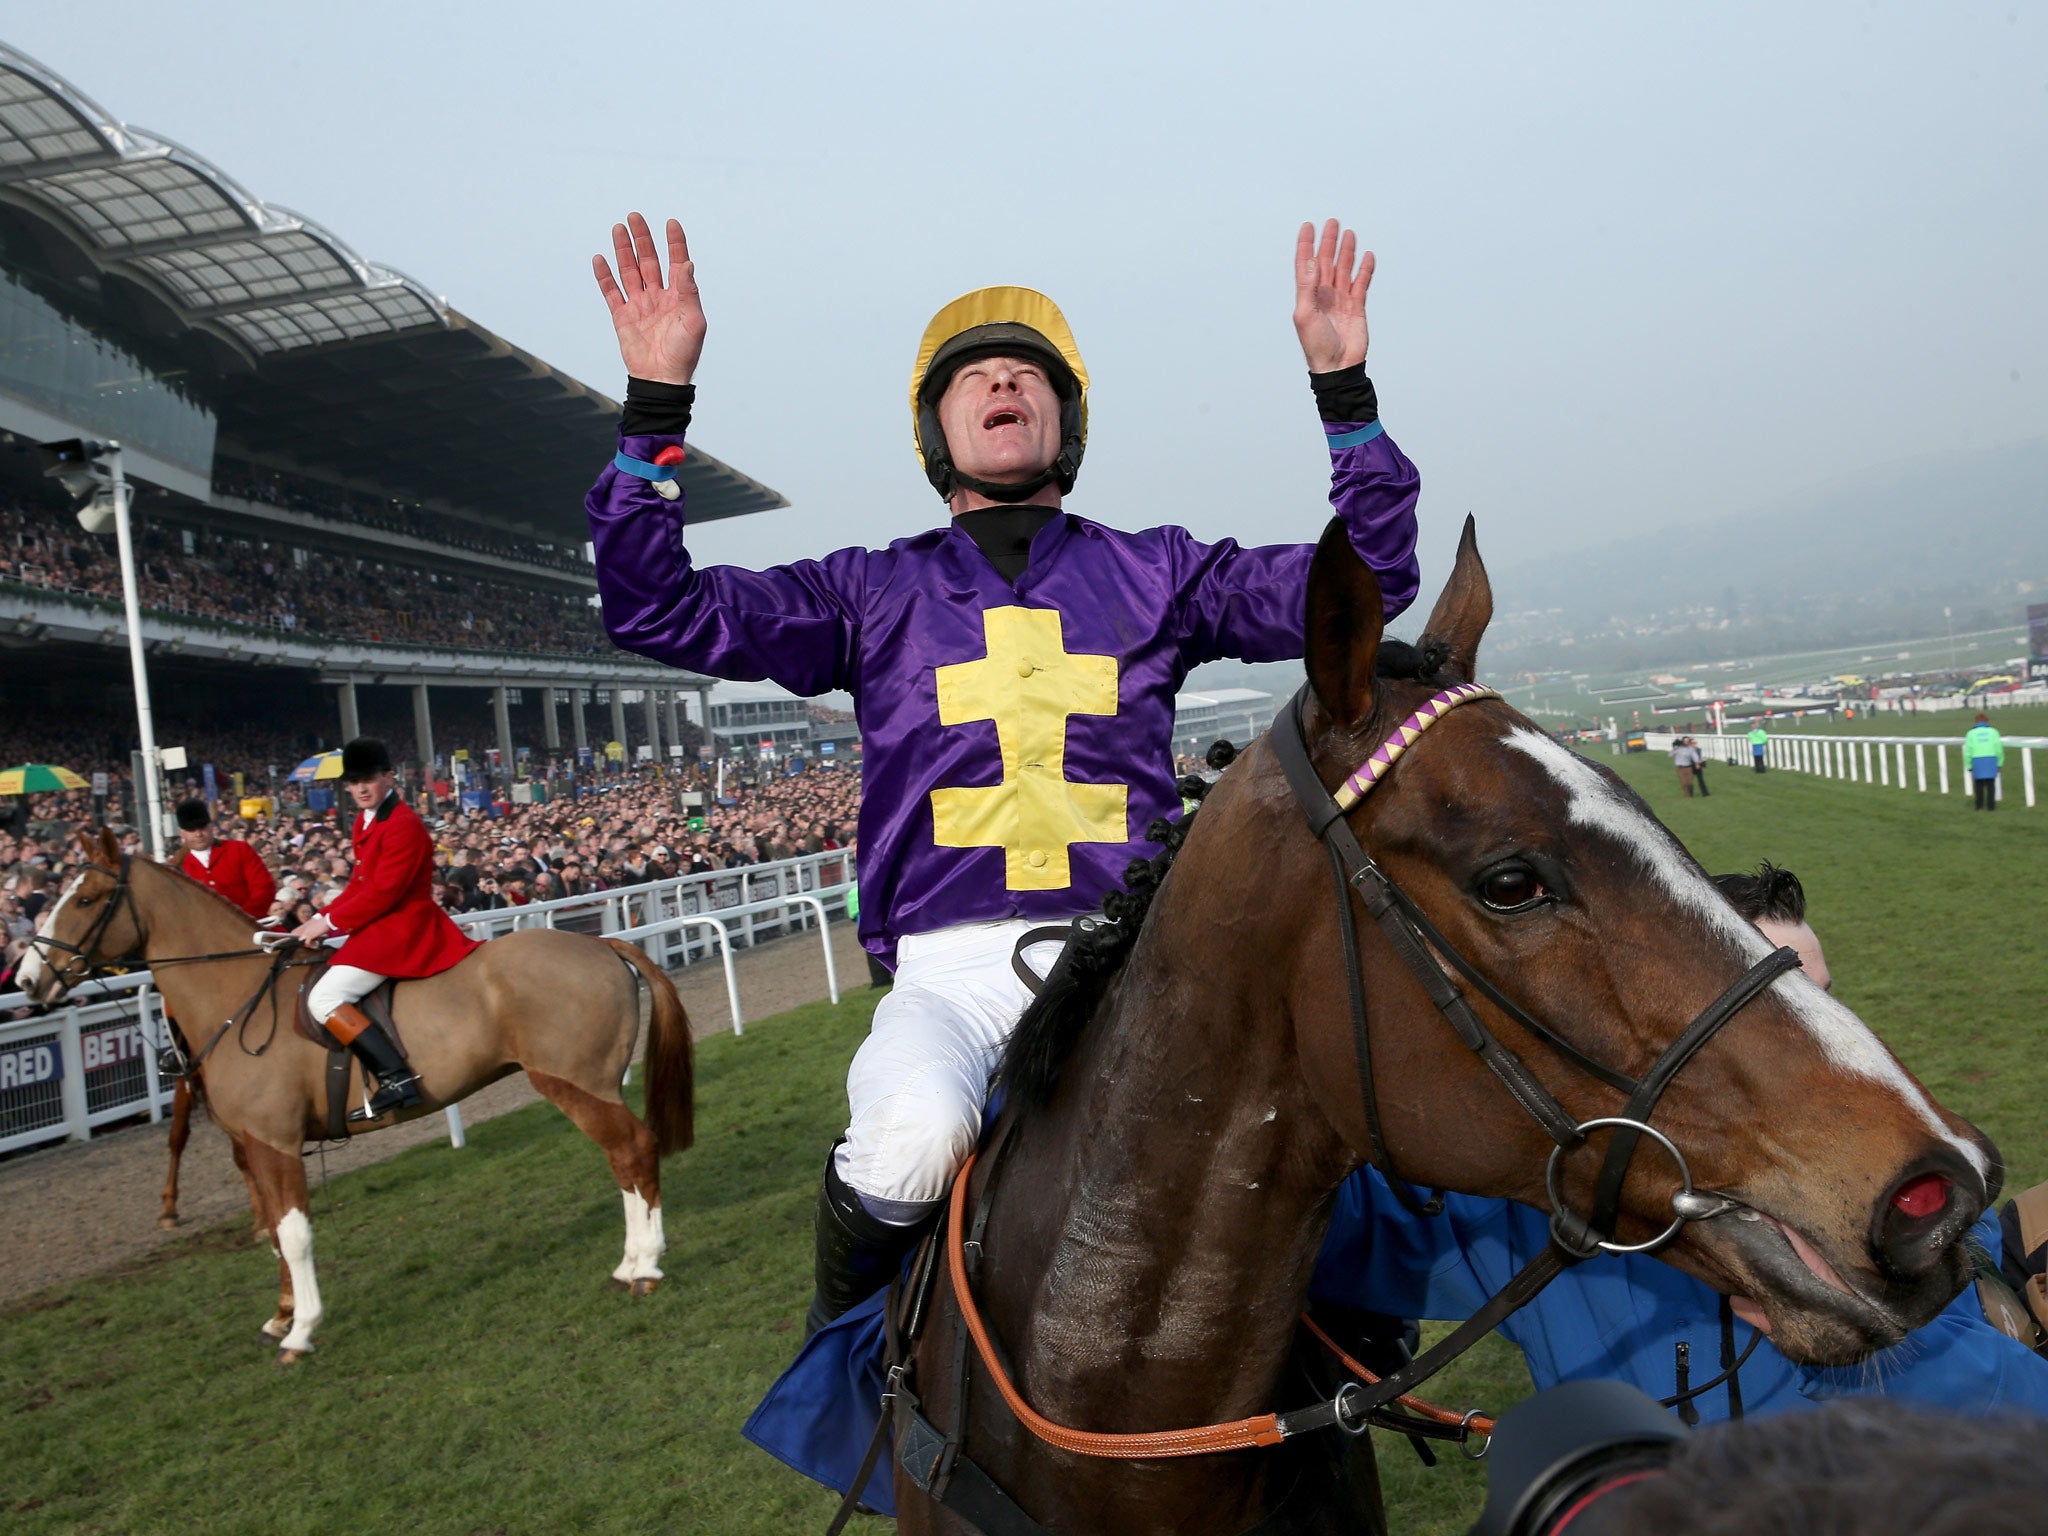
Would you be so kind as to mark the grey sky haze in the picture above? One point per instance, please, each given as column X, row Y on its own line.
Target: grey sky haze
column 1639, row 266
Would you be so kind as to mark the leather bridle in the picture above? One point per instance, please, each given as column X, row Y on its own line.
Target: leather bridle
column 1416, row 940
column 80, row 967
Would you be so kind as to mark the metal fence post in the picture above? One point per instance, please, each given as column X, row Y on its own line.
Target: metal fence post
column 455, row 1136
column 2027, row 773
column 150, row 1085
column 1941, row 762
column 1920, row 763
column 76, row 1123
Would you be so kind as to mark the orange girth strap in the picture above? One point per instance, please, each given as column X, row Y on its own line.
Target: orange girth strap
column 1243, row 1435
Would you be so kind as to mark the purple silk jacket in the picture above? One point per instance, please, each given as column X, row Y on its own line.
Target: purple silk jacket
column 1016, row 740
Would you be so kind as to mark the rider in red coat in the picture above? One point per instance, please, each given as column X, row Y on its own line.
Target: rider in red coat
column 226, row 867
column 392, row 926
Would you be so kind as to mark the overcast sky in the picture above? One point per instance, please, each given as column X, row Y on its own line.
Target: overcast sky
column 1638, row 267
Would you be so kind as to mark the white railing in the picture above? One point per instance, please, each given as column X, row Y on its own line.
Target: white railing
column 93, row 1061
column 1886, row 762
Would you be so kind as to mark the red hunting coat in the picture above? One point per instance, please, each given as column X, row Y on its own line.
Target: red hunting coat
column 234, row 871
column 388, row 912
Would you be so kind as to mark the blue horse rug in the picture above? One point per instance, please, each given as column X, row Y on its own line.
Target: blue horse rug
column 820, row 1415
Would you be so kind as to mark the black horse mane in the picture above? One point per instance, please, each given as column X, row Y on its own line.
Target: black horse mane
column 1051, row 1026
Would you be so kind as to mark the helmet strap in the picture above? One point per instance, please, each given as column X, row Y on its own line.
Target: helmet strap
column 1023, row 490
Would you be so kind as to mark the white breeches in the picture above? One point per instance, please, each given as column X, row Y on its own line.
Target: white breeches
column 341, row 984
column 919, row 1080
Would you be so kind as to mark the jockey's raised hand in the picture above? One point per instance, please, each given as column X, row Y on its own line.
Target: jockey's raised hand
column 1330, row 280
column 660, row 326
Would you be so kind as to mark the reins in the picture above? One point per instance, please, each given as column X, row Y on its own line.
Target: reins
column 1415, row 940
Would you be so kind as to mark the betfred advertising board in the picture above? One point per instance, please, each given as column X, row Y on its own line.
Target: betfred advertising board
column 25, row 1066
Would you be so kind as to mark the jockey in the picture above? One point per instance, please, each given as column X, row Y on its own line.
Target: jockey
column 1013, row 671
column 389, row 919
column 227, row 867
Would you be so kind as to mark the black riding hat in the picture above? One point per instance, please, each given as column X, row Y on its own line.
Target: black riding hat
column 364, row 758
column 192, row 815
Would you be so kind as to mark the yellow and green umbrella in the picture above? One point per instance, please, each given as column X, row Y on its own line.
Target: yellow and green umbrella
column 38, row 779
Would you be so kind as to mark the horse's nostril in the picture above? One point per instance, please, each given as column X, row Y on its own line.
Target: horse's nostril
column 1922, row 1197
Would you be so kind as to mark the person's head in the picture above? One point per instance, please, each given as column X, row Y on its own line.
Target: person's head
column 195, row 825
column 1982, row 718
column 1876, row 1466
column 366, row 772
column 999, row 400
column 1775, row 901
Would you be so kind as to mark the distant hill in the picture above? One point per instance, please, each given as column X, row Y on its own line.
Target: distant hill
column 1868, row 557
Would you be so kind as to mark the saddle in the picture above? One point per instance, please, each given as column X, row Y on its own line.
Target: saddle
column 378, row 1006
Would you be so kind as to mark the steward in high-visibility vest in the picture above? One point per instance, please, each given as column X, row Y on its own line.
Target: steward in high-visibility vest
column 1757, row 737
column 1984, row 750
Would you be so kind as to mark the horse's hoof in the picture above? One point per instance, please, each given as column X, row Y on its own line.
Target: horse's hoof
column 644, row 1287
column 616, row 1284
column 292, row 1356
column 166, row 1223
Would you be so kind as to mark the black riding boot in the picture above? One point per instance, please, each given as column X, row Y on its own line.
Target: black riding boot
column 858, row 1253
column 398, row 1086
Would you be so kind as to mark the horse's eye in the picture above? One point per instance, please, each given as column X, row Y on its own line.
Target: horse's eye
column 86, row 901
column 1512, row 889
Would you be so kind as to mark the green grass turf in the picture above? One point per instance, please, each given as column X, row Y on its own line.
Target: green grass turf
column 476, row 1376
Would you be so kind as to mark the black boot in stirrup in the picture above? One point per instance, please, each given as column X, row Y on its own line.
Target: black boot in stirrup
column 398, row 1087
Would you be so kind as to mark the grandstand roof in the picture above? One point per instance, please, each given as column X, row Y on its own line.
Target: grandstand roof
column 344, row 365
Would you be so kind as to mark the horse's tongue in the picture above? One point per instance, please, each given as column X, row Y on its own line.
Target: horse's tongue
column 1812, row 1259
column 1750, row 1313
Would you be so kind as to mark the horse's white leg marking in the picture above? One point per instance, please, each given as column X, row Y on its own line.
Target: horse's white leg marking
column 644, row 1240
column 635, row 1206
column 652, row 1244
column 295, row 1239
column 32, row 962
column 1844, row 1039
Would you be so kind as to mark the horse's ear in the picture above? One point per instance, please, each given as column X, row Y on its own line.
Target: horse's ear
column 1346, row 616
column 1466, row 606
column 87, row 844
column 110, row 847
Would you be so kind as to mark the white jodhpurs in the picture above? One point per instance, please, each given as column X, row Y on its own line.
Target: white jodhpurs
column 341, row 984
column 919, row 1080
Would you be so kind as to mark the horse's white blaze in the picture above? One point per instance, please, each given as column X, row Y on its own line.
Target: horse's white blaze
column 295, row 1241
column 1844, row 1039
column 32, row 962
column 644, row 1239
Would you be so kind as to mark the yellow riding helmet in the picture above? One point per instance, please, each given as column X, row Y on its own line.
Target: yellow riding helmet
column 998, row 322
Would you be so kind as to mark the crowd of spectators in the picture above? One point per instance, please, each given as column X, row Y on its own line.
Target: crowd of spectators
column 646, row 826
column 267, row 584
column 295, row 493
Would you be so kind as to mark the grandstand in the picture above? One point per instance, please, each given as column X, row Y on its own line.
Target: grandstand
column 350, row 498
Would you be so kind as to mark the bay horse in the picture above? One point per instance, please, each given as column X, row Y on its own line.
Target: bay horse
column 1139, row 1237
column 565, row 1007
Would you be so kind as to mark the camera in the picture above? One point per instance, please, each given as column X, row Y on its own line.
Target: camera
column 1554, row 1455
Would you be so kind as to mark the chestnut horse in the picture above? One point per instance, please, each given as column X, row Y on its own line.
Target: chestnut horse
column 565, row 1007
column 1141, row 1245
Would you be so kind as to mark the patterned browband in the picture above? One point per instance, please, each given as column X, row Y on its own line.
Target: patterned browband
column 1359, row 785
